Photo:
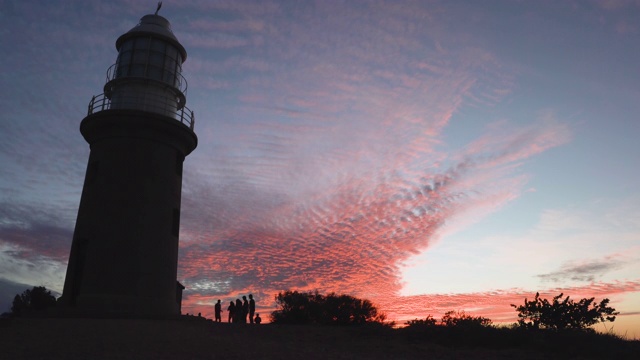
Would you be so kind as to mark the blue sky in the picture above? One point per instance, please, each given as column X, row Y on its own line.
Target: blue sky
column 428, row 155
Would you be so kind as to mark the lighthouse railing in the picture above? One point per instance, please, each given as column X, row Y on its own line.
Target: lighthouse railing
column 184, row 115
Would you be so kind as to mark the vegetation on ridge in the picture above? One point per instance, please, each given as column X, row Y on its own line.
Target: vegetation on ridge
column 456, row 335
column 314, row 308
column 36, row 299
column 563, row 314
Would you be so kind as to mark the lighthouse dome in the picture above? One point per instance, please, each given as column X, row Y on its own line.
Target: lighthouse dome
column 156, row 26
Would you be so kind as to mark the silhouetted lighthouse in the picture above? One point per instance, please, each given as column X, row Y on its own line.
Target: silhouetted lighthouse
column 124, row 255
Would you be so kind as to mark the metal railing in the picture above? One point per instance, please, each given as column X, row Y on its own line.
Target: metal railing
column 178, row 81
column 152, row 104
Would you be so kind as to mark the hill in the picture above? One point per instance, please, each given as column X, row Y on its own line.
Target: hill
column 193, row 338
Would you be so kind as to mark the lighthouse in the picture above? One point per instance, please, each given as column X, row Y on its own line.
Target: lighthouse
column 124, row 253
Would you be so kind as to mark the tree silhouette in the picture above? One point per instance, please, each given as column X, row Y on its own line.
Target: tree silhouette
column 428, row 321
column 35, row 299
column 563, row 314
column 311, row 307
column 452, row 319
column 295, row 307
column 461, row 319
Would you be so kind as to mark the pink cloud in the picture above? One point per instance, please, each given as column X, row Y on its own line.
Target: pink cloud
column 340, row 176
column 278, row 222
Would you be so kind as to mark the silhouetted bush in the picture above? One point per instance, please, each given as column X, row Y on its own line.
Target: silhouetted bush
column 451, row 319
column 460, row 319
column 546, row 343
column 456, row 328
column 563, row 314
column 35, row 299
column 428, row 321
column 313, row 308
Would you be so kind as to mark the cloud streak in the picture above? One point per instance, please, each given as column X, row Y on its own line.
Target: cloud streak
column 585, row 270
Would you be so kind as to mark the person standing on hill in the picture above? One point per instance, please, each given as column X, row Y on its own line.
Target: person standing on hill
column 252, row 308
column 218, row 311
column 232, row 311
column 245, row 309
column 238, row 317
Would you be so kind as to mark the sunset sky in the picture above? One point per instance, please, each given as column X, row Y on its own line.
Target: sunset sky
column 426, row 155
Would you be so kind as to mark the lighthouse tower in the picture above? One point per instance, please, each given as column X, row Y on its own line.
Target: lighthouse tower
column 124, row 255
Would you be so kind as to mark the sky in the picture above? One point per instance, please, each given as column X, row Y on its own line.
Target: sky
column 425, row 155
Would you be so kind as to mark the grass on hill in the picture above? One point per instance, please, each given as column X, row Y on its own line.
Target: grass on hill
column 193, row 338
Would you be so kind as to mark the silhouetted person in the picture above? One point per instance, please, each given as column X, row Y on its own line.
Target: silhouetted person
column 252, row 308
column 258, row 319
column 238, row 318
column 245, row 309
column 218, row 311
column 232, row 311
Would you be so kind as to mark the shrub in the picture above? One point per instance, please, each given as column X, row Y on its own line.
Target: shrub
column 563, row 314
column 428, row 321
column 311, row 307
column 460, row 319
column 35, row 299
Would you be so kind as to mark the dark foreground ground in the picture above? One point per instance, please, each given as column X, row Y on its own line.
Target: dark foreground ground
column 193, row 339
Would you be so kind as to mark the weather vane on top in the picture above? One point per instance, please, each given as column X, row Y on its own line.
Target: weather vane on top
column 159, row 6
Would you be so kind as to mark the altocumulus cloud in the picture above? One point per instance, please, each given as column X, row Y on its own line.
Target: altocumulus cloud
column 350, row 237
column 333, row 169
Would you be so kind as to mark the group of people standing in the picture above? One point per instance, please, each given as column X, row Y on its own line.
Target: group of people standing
column 239, row 311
